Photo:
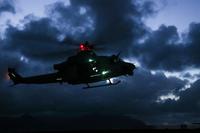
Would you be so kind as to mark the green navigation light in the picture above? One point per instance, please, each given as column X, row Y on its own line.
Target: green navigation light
column 90, row 60
column 104, row 72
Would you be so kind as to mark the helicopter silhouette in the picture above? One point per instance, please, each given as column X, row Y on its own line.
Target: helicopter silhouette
column 83, row 68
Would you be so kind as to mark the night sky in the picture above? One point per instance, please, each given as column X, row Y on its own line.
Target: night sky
column 161, row 37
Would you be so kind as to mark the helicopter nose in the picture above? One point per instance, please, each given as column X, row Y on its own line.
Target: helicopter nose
column 130, row 67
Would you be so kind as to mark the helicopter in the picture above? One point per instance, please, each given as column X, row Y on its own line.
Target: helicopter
column 85, row 67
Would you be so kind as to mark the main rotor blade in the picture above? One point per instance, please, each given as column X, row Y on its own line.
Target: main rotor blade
column 55, row 55
column 69, row 42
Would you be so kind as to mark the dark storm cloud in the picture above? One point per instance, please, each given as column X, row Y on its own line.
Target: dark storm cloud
column 102, row 22
column 164, row 50
column 37, row 38
column 119, row 25
column 113, row 20
column 7, row 6
column 116, row 23
column 193, row 44
column 159, row 50
column 71, row 20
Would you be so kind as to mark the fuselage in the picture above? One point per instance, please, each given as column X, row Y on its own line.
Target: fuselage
column 83, row 68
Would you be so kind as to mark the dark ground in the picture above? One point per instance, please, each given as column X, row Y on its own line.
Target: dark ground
column 28, row 123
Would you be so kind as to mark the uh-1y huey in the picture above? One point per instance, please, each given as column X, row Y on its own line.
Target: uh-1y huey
column 83, row 68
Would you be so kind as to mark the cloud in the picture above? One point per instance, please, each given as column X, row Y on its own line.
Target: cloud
column 186, row 103
column 37, row 38
column 117, row 25
column 112, row 24
column 191, row 96
column 7, row 6
column 163, row 50
column 73, row 21
column 5, row 62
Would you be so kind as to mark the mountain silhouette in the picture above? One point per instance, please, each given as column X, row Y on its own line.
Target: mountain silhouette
column 57, row 123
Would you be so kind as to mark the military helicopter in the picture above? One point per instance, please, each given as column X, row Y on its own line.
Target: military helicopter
column 85, row 67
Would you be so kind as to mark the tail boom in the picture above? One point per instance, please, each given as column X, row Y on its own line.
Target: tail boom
column 40, row 79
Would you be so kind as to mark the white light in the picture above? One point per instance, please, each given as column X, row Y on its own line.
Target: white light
column 111, row 80
column 13, row 75
column 94, row 68
column 91, row 60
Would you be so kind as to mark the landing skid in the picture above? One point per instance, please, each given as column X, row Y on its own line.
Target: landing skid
column 107, row 84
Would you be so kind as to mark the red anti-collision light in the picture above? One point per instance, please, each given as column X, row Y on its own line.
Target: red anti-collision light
column 84, row 47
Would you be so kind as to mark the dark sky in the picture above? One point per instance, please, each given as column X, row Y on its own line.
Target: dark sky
column 164, row 89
